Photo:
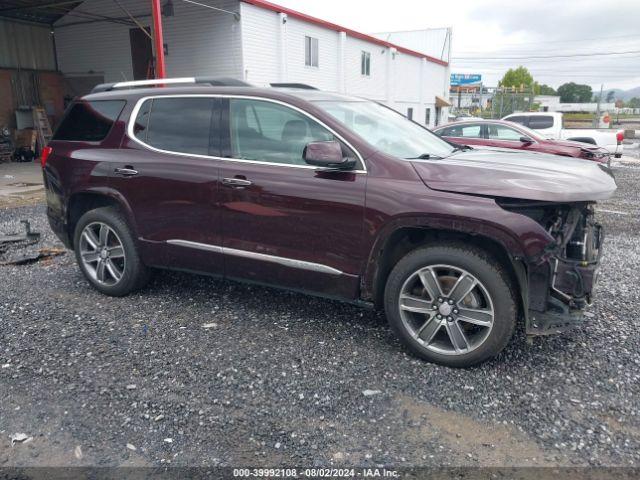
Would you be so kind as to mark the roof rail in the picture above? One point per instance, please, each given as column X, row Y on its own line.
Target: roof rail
column 301, row 86
column 214, row 82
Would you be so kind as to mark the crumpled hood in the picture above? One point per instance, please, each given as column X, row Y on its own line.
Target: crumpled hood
column 574, row 144
column 516, row 174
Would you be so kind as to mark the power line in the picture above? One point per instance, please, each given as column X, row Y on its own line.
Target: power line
column 581, row 62
column 562, row 41
column 549, row 56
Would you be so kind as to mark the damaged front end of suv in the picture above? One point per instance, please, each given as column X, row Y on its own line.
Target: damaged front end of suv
column 561, row 282
column 551, row 202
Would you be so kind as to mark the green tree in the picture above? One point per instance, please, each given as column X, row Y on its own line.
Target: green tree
column 516, row 78
column 574, row 93
column 545, row 89
column 610, row 96
column 634, row 103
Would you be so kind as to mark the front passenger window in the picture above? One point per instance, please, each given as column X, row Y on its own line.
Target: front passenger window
column 269, row 132
column 500, row 132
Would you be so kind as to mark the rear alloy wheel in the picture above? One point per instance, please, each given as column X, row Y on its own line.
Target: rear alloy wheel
column 102, row 253
column 451, row 305
column 107, row 252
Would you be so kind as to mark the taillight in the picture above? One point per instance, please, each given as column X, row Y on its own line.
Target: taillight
column 620, row 137
column 46, row 151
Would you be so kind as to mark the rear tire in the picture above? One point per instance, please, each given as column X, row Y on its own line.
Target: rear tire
column 107, row 253
column 449, row 326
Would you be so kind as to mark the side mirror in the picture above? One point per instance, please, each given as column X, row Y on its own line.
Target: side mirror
column 326, row 155
column 525, row 139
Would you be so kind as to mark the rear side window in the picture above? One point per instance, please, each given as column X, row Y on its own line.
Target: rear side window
column 89, row 121
column 539, row 122
column 522, row 120
column 181, row 125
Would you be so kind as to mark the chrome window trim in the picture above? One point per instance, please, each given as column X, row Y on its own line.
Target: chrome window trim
column 285, row 261
column 138, row 105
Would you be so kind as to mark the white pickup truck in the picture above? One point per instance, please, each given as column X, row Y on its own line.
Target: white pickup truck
column 549, row 125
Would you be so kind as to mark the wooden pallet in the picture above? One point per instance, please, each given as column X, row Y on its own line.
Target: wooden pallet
column 42, row 126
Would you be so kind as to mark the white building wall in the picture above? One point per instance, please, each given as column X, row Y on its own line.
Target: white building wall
column 260, row 45
column 200, row 41
column 325, row 75
column 273, row 51
column 373, row 86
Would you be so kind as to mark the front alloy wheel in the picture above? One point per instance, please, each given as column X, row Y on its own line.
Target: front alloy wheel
column 454, row 305
column 446, row 309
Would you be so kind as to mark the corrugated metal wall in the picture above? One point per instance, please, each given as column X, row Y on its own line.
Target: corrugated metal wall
column 26, row 46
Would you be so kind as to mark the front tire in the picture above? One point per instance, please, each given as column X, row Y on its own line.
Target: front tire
column 451, row 305
column 107, row 253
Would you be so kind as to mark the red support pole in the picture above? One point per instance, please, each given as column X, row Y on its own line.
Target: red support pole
column 158, row 39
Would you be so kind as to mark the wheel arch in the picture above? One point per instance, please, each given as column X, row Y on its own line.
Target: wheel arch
column 400, row 239
column 83, row 201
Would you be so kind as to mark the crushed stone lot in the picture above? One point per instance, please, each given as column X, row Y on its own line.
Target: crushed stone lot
column 200, row 372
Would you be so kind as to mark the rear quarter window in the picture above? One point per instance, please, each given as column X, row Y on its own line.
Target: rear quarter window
column 89, row 121
column 177, row 125
column 522, row 120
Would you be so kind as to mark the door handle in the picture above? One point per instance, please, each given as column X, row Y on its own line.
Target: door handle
column 236, row 182
column 125, row 172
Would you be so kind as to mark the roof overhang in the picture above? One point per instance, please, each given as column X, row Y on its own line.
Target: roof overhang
column 442, row 102
column 36, row 11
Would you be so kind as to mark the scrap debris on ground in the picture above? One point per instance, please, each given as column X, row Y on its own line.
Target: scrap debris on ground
column 241, row 375
column 14, row 247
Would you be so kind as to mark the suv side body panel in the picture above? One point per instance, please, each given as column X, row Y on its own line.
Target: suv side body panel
column 173, row 197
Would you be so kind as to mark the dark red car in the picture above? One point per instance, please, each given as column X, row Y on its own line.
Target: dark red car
column 327, row 194
column 503, row 134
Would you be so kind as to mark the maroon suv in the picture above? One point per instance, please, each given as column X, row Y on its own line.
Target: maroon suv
column 332, row 195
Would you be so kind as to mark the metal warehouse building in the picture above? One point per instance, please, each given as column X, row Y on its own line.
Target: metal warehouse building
column 98, row 41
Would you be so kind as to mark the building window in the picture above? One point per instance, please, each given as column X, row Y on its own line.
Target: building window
column 427, row 117
column 365, row 64
column 310, row 51
column 410, row 113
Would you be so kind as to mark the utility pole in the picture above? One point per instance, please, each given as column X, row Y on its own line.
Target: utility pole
column 597, row 119
column 158, row 39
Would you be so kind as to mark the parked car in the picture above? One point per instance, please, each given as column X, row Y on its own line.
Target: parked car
column 499, row 133
column 327, row 194
column 550, row 125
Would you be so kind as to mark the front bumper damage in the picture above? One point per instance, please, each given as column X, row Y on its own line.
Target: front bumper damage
column 559, row 283
column 562, row 285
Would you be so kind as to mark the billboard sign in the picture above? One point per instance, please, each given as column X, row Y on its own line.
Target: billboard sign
column 462, row 79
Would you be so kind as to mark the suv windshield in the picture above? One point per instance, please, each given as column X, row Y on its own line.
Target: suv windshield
column 387, row 129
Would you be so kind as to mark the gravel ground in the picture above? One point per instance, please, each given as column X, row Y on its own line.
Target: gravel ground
column 196, row 371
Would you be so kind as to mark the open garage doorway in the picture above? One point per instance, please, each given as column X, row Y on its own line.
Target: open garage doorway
column 141, row 53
